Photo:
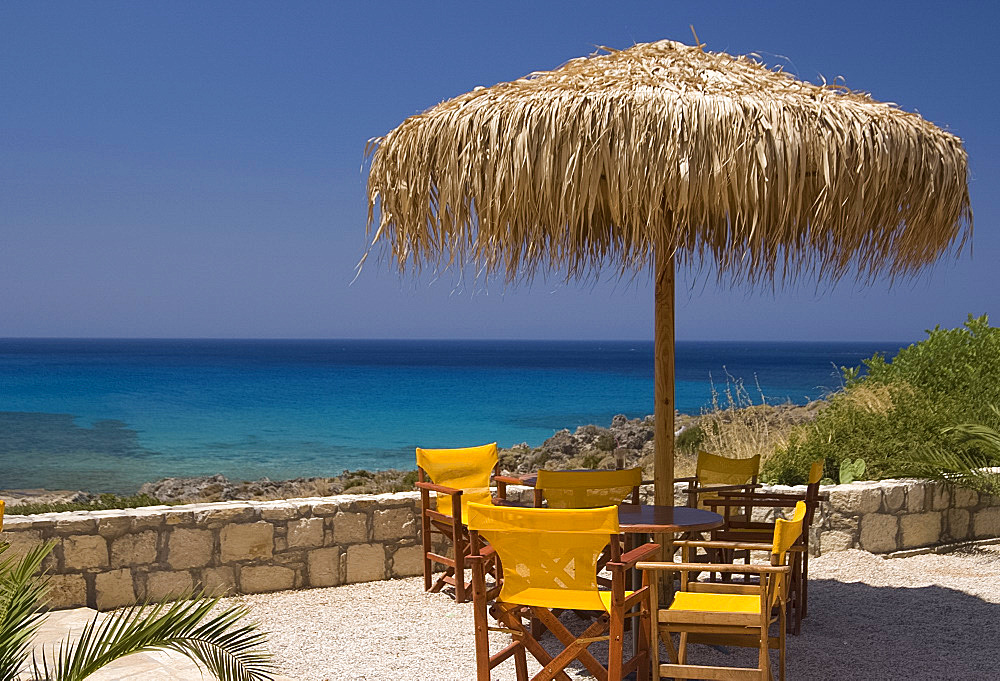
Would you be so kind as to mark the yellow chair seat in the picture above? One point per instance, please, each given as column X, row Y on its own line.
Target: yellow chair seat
column 567, row 599
column 710, row 602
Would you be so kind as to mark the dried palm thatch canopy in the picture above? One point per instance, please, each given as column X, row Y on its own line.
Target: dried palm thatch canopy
column 666, row 153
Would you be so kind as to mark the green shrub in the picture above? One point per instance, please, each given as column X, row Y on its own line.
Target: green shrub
column 605, row 442
column 901, row 407
column 102, row 503
column 689, row 440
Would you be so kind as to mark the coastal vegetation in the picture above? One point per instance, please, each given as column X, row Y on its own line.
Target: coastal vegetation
column 908, row 417
column 219, row 640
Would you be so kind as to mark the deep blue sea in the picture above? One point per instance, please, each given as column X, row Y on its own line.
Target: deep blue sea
column 108, row 415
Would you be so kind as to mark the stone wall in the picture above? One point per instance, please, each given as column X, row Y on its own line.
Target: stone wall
column 106, row 559
column 897, row 515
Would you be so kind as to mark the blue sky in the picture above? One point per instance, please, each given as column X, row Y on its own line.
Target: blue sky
column 189, row 169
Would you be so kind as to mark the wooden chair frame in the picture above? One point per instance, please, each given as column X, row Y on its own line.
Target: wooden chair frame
column 746, row 530
column 451, row 528
column 608, row 627
column 731, row 629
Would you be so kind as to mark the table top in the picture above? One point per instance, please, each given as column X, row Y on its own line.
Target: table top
column 666, row 519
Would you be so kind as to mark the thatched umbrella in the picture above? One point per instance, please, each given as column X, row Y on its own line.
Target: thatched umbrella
column 661, row 154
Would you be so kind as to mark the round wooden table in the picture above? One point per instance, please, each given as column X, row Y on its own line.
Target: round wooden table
column 646, row 519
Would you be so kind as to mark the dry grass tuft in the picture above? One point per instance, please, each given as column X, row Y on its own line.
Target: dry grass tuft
column 739, row 428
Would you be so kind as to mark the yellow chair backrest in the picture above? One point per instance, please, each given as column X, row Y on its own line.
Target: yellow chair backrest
column 722, row 470
column 549, row 556
column 786, row 532
column 587, row 489
column 816, row 471
column 464, row 468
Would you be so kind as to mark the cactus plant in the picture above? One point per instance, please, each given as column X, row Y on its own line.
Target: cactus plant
column 851, row 470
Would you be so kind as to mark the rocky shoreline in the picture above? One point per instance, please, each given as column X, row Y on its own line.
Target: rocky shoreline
column 589, row 446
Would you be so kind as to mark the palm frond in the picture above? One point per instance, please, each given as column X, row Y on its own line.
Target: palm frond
column 221, row 643
column 22, row 593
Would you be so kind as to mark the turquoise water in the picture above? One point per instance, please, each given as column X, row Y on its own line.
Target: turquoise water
column 108, row 415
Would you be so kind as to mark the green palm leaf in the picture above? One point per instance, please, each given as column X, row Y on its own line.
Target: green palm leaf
column 225, row 647
column 22, row 593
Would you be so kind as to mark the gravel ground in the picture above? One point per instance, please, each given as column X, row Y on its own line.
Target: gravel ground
column 923, row 617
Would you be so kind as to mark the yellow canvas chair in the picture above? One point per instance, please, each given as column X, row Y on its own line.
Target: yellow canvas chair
column 588, row 489
column 730, row 614
column 549, row 561
column 743, row 530
column 715, row 474
column 456, row 477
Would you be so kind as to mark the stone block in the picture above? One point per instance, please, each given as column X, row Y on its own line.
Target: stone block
column 392, row 524
column 264, row 578
column 279, row 511
column 114, row 589
column 916, row 495
column 250, row 541
column 920, row 529
column 325, row 508
column 878, row 533
column 134, row 549
column 350, row 528
column 964, row 498
column 307, row 532
column 218, row 581
column 85, row 551
column 986, row 523
column 67, row 591
column 22, row 542
column 893, row 496
column 958, row 523
column 856, row 498
column 323, row 566
column 160, row 585
column 835, row 540
column 112, row 524
column 189, row 548
column 148, row 518
column 365, row 563
column 844, row 524
column 179, row 516
column 408, row 561
column 219, row 515
column 80, row 522
column 940, row 496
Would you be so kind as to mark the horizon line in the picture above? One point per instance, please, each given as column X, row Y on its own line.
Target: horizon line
column 426, row 339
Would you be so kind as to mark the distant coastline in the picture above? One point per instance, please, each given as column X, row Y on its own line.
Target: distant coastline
column 108, row 416
column 588, row 446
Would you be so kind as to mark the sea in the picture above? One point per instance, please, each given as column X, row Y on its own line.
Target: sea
column 108, row 415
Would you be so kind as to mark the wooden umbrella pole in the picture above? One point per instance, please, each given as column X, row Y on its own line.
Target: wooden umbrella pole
column 663, row 472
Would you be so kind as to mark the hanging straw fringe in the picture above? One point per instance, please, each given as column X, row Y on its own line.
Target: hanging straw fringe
column 665, row 146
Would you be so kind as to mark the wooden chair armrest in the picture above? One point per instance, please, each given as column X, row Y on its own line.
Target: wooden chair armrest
column 707, row 544
column 715, row 489
column 763, row 502
column 437, row 488
column 510, row 480
column 635, row 555
column 692, row 478
column 714, row 567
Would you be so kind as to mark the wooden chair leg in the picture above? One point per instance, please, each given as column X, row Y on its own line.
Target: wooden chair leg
column 682, row 648
column 521, row 664
column 481, row 623
column 461, row 546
